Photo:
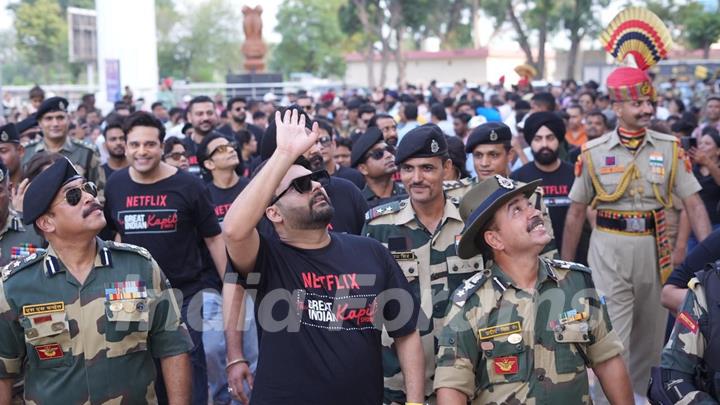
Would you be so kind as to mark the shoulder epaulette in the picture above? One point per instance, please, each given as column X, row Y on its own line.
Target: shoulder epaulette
column 568, row 265
column 84, row 144
column 455, row 184
column 595, row 142
column 32, row 143
column 664, row 137
column 694, row 282
column 470, row 285
column 129, row 248
column 15, row 266
column 385, row 209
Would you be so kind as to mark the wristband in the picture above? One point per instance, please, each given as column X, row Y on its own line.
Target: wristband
column 236, row 361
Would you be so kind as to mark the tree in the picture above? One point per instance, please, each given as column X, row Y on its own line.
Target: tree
column 701, row 28
column 41, row 34
column 311, row 37
column 202, row 45
column 579, row 18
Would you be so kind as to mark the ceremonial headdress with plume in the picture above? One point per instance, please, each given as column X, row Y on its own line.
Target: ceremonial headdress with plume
column 639, row 39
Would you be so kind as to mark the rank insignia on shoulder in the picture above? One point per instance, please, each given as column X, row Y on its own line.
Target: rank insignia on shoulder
column 385, row 209
column 129, row 248
column 468, row 288
column 455, row 184
column 568, row 265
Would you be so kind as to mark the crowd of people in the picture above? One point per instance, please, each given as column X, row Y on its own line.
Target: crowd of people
column 394, row 246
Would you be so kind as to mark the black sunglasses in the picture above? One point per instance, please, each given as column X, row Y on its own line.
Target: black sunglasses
column 303, row 184
column 324, row 141
column 378, row 154
column 176, row 155
column 223, row 148
column 74, row 195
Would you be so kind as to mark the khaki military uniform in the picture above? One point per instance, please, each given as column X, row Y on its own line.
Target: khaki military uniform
column 501, row 344
column 629, row 191
column 430, row 263
column 84, row 156
column 686, row 348
column 92, row 342
column 373, row 200
column 18, row 241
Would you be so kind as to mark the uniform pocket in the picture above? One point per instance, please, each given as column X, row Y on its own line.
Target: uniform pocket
column 567, row 357
column 127, row 326
column 48, row 339
column 506, row 362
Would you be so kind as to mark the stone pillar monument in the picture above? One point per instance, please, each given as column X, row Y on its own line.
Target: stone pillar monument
column 254, row 48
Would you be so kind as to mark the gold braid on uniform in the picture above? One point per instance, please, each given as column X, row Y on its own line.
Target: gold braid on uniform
column 671, row 180
column 631, row 140
column 631, row 173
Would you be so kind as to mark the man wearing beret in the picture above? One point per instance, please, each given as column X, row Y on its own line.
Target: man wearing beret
column 631, row 175
column 527, row 329
column 375, row 159
column 11, row 152
column 544, row 132
column 16, row 240
column 82, row 321
column 28, row 129
column 52, row 116
column 420, row 232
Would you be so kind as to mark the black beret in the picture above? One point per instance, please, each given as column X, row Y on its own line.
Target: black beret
column 27, row 123
column 543, row 119
column 424, row 141
column 363, row 144
column 9, row 133
column 488, row 133
column 52, row 104
column 42, row 190
column 268, row 144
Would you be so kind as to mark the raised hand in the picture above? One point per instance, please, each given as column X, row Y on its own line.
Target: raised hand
column 291, row 136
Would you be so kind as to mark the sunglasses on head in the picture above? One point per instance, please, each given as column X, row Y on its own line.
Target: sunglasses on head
column 223, row 148
column 74, row 195
column 176, row 155
column 378, row 154
column 303, row 184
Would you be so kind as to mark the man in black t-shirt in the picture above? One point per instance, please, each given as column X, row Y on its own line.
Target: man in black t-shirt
column 115, row 147
column 237, row 114
column 156, row 206
column 322, row 297
column 324, row 156
column 203, row 118
column 544, row 131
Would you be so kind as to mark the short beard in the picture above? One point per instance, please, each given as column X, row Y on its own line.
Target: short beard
column 545, row 156
column 316, row 162
column 240, row 119
column 319, row 218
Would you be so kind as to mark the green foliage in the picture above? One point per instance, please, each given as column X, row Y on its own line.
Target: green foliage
column 202, row 45
column 41, row 31
column 311, row 37
column 701, row 29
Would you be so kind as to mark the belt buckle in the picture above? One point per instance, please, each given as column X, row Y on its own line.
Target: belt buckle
column 635, row 224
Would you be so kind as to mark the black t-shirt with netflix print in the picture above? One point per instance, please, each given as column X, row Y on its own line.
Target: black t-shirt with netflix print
column 167, row 218
column 321, row 312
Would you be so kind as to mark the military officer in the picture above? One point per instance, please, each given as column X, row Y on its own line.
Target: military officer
column 525, row 330
column 630, row 175
column 689, row 371
column 84, row 320
column 16, row 240
column 420, row 231
column 375, row 159
column 54, row 121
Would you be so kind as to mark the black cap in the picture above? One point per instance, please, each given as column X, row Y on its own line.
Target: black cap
column 27, row 123
column 424, row 141
column 42, row 190
column 364, row 143
column 52, row 104
column 488, row 133
column 9, row 133
column 543, row 119
column 269, row 139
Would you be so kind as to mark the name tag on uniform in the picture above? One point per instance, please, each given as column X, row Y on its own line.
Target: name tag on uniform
column 499, row 330
column 399, row 256
column 48, row 308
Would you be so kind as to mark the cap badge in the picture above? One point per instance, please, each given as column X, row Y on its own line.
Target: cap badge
column 504, row 182
column 645, row 89
column 434, row 147
column 4, row 136
column 493, row 136
column 61, row 105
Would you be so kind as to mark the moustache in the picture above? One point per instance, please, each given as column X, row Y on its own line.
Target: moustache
column 534, row 222
column 641, row 116
column 91, row 208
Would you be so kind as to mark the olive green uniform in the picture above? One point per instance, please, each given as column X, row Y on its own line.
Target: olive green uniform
column 84, row 156
column 502, row 344
column 632, row 189
column 18, row 241
column 88, row 343
column 430, row 263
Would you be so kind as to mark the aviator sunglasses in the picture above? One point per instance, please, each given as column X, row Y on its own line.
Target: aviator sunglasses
column 74, row 195
column 303, row 184
column 377, row 154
